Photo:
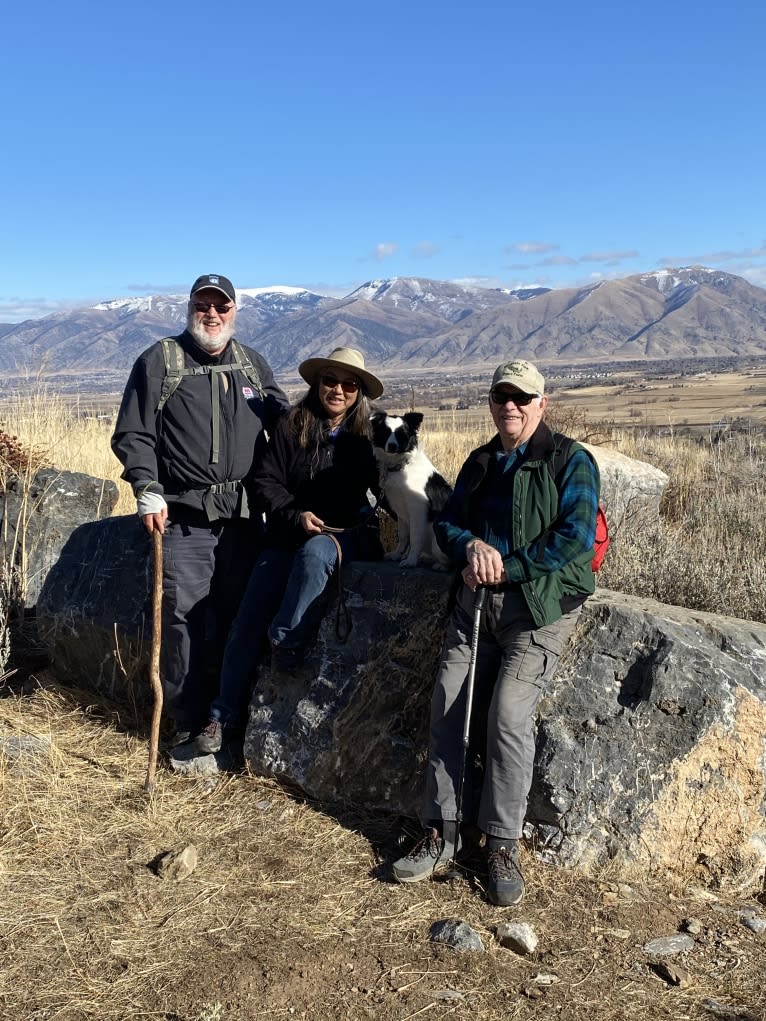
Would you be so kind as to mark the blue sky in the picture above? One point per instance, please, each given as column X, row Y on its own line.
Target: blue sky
column 323, row 145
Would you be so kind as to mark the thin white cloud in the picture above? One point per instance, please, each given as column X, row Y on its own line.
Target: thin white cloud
column 425, row 250
column 532, row 247
column 148, row 289
column 610, row 258
column 385, row 250
column 713, row 257
column 559, row 260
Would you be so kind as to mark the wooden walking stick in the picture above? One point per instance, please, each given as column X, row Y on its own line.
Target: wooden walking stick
column 154, row 668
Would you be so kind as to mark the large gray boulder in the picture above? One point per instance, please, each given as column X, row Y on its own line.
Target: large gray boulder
column 94, row 610
column 650, row 751
column 39, row 513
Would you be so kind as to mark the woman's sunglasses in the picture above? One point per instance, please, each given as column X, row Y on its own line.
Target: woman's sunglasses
column 349, row 386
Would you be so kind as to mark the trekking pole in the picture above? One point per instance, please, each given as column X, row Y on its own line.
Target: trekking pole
column 479, row 599
column 154, row 668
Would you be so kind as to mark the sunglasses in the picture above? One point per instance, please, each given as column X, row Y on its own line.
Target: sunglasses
column 519, row 399
column 349, row 386
column 205, row 306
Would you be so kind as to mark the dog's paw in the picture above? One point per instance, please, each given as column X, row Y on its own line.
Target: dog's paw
column 393, row 555
column 437, row 565
column 409, row 561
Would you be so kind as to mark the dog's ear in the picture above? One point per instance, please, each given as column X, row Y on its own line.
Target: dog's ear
column 414, row 420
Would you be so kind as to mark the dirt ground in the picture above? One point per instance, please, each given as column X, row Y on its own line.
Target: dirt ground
column 290, row 911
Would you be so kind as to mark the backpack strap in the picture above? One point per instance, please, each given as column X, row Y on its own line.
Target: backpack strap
column 174, row 369
column 556, row 461
column 243, row 362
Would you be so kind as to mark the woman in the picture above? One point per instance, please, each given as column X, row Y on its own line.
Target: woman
column 314, row 476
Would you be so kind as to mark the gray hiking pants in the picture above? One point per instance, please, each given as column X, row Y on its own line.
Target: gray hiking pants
column 515, row 660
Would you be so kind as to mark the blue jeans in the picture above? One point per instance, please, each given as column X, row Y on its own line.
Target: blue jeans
column 282, row 603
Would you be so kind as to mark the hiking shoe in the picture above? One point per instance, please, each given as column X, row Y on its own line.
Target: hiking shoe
column 431, row 853
column 209, row 739
column 506, row 883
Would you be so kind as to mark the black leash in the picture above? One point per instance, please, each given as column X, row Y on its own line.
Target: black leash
column 342, row 612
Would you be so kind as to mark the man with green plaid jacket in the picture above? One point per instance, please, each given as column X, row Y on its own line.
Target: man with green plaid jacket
column 528, row 538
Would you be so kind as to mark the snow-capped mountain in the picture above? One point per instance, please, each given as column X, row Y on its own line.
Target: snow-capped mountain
column 411, row 322
column 446, row 299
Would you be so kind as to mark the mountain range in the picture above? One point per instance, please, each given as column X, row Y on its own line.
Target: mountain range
column 407, row 323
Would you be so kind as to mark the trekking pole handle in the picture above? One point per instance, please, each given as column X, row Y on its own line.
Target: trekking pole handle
column 480, row 597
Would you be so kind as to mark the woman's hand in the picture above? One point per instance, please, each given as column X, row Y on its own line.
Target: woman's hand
column 485, row 565
column 310, row 523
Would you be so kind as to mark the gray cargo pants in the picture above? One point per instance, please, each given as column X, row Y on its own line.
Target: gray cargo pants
column 515, row 660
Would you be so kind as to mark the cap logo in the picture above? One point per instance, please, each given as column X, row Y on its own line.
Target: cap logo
column 214, row 280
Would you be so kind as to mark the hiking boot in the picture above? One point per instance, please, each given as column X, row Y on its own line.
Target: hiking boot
column 209, row 739
column 431, row 853
column 506, row 883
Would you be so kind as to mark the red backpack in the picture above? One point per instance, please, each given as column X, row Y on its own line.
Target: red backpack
column 556, row 463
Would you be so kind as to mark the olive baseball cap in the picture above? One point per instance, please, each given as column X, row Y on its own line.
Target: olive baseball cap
column 521, row 375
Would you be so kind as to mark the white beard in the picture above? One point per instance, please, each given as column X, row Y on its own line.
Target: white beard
column 213, row 345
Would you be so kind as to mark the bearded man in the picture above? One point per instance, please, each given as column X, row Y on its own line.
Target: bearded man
column 189, row 432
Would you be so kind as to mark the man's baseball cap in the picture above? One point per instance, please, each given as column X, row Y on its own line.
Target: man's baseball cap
column 214, row 282
column 521, row 375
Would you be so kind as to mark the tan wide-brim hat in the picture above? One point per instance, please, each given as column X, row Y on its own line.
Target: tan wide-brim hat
column 343, row 358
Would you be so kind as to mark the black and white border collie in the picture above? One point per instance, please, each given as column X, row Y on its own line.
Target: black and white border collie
column 412, row 488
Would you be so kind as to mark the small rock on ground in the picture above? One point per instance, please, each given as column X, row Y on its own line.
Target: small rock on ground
column 669, row 944
column 456, row 934
column 178, row 864
column 517, row 936
column 692, row 925
column 671, row 973
column 753, row 921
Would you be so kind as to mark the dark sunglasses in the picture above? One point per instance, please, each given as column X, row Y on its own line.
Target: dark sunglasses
column 519, row 399
column 350, row 386
column 205, row 306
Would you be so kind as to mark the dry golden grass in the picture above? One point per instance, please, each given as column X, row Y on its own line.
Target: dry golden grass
column 69, row 435
column 289, row 912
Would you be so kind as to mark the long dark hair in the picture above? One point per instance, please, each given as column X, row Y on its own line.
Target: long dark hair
column 307, row 420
